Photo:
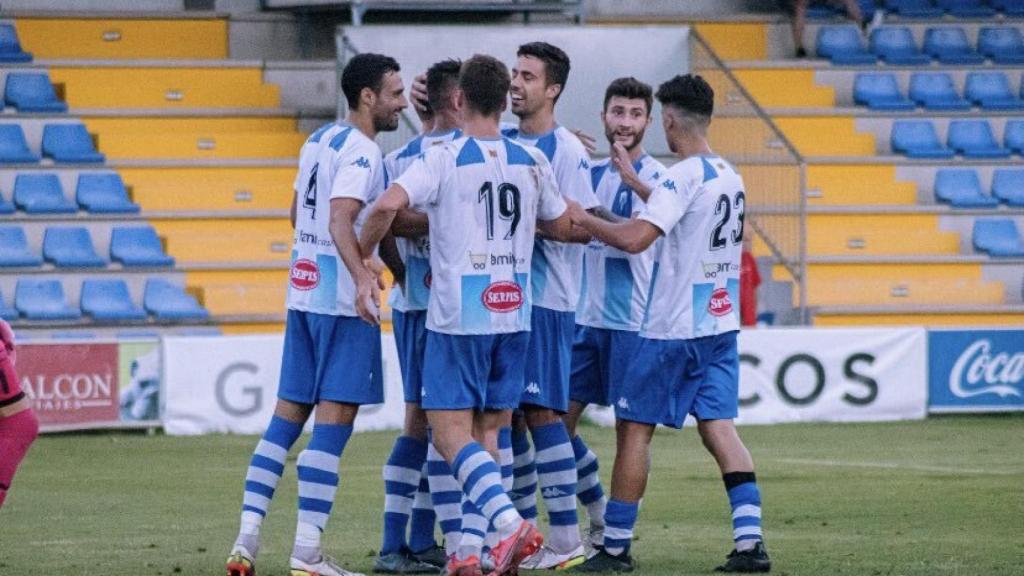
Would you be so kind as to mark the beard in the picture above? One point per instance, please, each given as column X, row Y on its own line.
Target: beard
column 386, row 123
column 638, row 138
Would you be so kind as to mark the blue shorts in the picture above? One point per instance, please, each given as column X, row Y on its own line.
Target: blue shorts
column 549, row 359
column 411, row 341
column 334, row 358
column 668, row 379
column 480, row 372
column 600, row 356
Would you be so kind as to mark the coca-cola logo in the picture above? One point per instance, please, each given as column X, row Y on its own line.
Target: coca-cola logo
column 305, row 274
column 503, row 297
column 720, row 304
column 978, row 371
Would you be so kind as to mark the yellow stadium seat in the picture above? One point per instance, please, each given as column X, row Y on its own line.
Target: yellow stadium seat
column 241, row 292
column 786, row 88
column 200, row 189
column 878, row 234
column 54, row 38
column 850, row 185
column 234, row 240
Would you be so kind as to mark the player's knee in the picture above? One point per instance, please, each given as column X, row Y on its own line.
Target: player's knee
column 415, row 422
column 537, row 416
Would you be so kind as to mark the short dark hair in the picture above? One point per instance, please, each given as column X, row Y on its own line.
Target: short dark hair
column 556, row 63
column 689, row 93
column 485, row 81
column 441, row 78
column 365, row 70
column 631, row 88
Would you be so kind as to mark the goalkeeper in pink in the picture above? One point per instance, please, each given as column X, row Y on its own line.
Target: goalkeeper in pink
column 18, row 424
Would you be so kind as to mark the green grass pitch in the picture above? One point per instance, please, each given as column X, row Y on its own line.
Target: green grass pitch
column 939, row 497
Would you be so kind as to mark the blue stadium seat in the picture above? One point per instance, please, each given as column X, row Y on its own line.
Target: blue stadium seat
column 914, row 8
column 935, row 91
column 974, row 139
column 109, row 300
column 104, row 194
column 32, row 92
column 13, row 148
column 997, row 237
column 6, row 312
column 1008, row 186
column 967, row 8
column 895, row 45
column 961, row 188
column 5, row 206
column 843, row 45
column 41, row 194
column 949, row 45
column 69, row 143
column 70, row 247
column 879, row 91
column 1013, row 136
column 1003, row 44
column 917, row 139
column 167, row 301
column 14, row 250
column 1013, row 8
column 138, row 246
column 43, row 300
column 10, row 47
column 991, row 90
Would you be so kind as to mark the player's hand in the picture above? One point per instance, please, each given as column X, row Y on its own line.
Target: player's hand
column 368, row 298
column 588, row 141
column 575, row 211
column 7, row 340
column 377, row 267
column 418, row 97
column 624, row 164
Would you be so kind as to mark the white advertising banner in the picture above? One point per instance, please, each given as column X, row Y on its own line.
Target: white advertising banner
column 828, row 375
column 229, row 384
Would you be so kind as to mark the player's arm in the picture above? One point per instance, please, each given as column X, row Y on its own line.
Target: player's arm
column 375, row 228
column 632, row 236
column 293, row 210
column 623, row 163
column 344, row 212
column 560, row 229
column 410, row 223
column 7, row 340
column 606, row 214
column 389, row 254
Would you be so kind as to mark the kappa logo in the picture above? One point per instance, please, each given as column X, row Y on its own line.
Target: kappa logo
column 362, row 162
column 669, row 184
column 533, row 388
column 623, row 403
column 552, row 492
column 584, row 165
column 656, row 175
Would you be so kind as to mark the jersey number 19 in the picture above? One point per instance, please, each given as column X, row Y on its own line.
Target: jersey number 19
column 508, row 206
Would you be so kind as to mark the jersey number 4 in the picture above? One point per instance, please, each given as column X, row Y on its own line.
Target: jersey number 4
column 309, row 198
column 508, row 207
column 723, row 209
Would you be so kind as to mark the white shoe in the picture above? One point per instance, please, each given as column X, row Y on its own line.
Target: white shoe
column 327, row 566
column 593, row 540
column 548, row 559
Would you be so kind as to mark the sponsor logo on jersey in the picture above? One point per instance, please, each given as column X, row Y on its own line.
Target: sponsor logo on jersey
column 720, row 304
column 305, row 274
column 479, row 261
column 503, row 296
column 713, row 269
column 980, row 371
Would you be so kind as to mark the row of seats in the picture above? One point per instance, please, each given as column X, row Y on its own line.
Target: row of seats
column 971, row 138
column 961, row 187
column 72, row 247
column 896, row 45
column 61, row 142
column 10, row 47
column 99, row 193
column 32, row 92
column 997, row 237
column 936, row 91
column 956, row 8
column 106, row 300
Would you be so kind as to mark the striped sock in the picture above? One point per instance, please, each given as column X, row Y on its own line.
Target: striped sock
column 556, row 474
column 588, row 487
column 619, row 517
column 318, row 481
column 446, row 496
column 401, row 480
column 261, row 478
column 421, row 528
column 507, row 479
column 480, row 478
column 474, row 530
column 745, row 500
column 524, row 487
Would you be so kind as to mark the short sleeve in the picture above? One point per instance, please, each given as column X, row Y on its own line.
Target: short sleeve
column 550, row 204
column 354, row 178
column 572, row 172
column 667, row 203
column 422, row 179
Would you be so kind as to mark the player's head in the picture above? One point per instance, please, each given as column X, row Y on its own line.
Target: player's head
column 442, row 79
column 687, row 102
column 483, row 86
column 538, row 78
column 371, row 85
column 627, row 111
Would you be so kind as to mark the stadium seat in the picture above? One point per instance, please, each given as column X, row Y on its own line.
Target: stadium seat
column 961, row 188
column 70, row 247
column 1008, row 186
column 974, row 139
column 843, row 45
column 967, row 8
column 104, row 194
column 917, row 139
column 5, row 206
column 109, row 300
column 1013, row 136
column 1009, row 7
column 997, row 237
column 914, row 8
column 879, row 91
column 895, row 45
column 167, row 301
column 32, row 92
column 14, row 250
column 991, row 90
column 138, row 246
column 935, row 91
column 6, row 312
column 1003, row 44
column 13, row 148
column 43, row 300
column 41, row 194
column 10, row 47
column 949, row 45
column 69, row 143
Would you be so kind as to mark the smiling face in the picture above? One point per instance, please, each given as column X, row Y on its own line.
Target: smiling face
column 530, row 91
column 387, row 105
column 625, row 121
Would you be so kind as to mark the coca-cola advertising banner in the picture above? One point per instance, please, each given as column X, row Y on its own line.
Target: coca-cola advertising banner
column 976, row 370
